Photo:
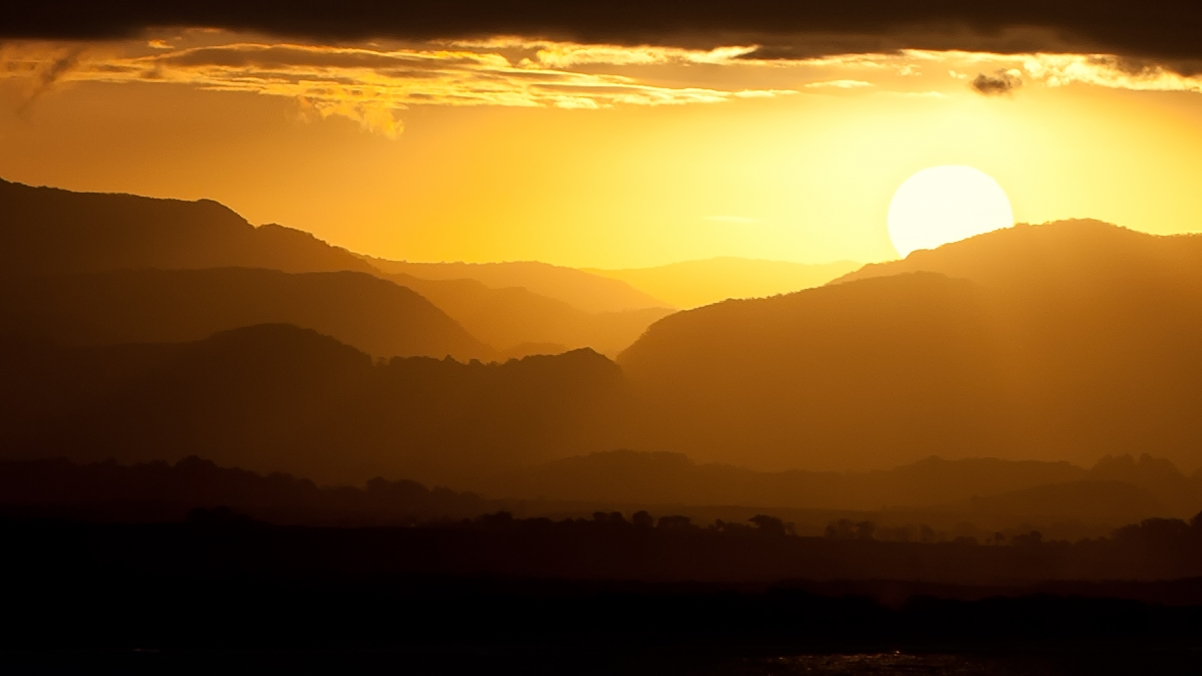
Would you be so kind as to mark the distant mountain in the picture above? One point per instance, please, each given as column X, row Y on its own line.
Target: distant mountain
column 582, row 290
column 48, row 230
column 161, row 492
column 279, row 398
column 1074, row 260
column 1066, row 341
column 974, row 484
column 513, row 317
column 52, row 231
column 1082, row 500
column 150, row 306
column 695, row 283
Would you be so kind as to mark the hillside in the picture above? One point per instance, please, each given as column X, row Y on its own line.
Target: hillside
column 150, row 306
column 1060, row 353
column 513, row 319
column 1080, row 258
column 53, row 231
column 978, row 489
column 48, row 230
column 279, row 398
column 692, row 284
column 584, row 291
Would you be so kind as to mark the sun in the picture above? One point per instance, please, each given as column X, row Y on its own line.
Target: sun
column 946, row 204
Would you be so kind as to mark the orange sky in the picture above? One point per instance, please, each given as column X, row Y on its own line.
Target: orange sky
column 591, row 156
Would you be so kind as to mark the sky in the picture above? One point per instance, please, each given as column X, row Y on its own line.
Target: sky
column 635, row 136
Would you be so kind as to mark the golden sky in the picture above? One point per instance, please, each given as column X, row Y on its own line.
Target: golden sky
column 593, row 155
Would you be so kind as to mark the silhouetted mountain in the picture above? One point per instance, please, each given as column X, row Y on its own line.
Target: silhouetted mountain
column 580, row 289
column 48, row 230
column 1074, row 260
column 933, row 484
column 52, row 231
column 1093, row 500
column 160, row 492
column 147, row 306
column 278, row 398
column 511, row 317
column 692, row 284
column 1073, row 341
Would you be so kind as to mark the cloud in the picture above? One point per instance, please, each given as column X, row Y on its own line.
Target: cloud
column 1163, row 31
column 372, row 84
column 1001, row 83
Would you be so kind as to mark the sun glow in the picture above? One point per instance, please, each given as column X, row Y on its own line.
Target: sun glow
column 946, row 204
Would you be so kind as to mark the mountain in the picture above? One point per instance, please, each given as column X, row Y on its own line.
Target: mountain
column 161, row 492
column 584, row 291
column 279, row 398
column 53, row 231
column 150, row 306
column 48, row 230
column 1075, row 260
column 692, row 284
column 513, row 318
column 1066, row 341
column 967, row 485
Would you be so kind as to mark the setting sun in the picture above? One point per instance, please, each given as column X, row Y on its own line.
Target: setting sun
column 940, row 205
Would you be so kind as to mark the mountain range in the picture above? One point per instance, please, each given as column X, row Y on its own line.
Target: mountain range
column 145, row 330
column 1067, row 341
column 49, row 231
column 691, row 284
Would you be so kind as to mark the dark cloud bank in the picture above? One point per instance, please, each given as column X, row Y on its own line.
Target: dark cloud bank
column 1166, row 32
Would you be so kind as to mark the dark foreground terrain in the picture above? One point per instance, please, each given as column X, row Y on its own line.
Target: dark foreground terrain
column 493, row 595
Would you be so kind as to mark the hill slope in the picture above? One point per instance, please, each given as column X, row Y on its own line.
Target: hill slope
column 580, row 289
column 279, row 398
column 48, row 230
column 52, row 231
column 513, row 318
column 1059, row 353
column 149, row 306
column 692, row 284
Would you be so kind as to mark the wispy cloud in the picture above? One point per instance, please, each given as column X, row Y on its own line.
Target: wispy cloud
column 371, row 85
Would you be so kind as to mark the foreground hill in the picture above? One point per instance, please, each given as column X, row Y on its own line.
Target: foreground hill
column 580, row 289
column 151, row 306
column 1047, row 361
column 279, row 398
column 692, row 284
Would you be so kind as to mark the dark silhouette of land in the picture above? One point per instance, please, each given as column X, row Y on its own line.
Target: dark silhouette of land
column 1065, row 341
column 444, row 532
column 281, row 398
column 588, row 292
column 1034, row 392
column 51, row 231
column 173, row 306
column 695, row 283
column 520, row 322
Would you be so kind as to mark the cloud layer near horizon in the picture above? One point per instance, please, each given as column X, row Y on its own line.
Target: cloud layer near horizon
column 371, row 83
column 1163, row 31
